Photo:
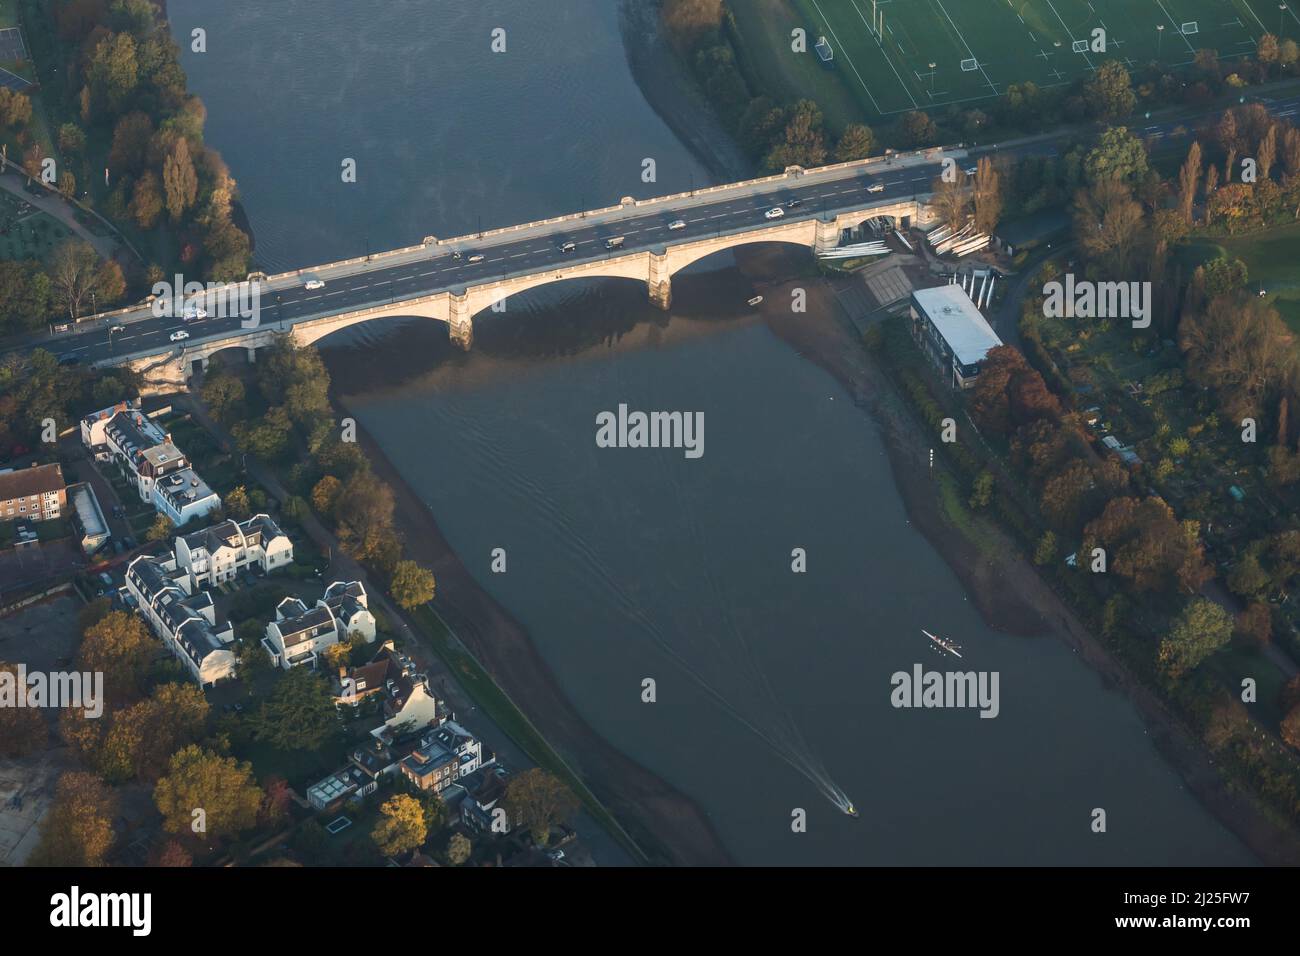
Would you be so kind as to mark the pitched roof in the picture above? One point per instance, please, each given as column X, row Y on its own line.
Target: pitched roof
column 25, row 482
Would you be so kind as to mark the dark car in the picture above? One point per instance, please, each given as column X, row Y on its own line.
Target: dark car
column 69, row 359
column 793, row 202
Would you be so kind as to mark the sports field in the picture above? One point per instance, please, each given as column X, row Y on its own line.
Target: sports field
column 935, row 52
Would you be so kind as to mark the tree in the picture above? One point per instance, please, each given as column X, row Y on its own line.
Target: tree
column 325, row 495
column 113, row 72
column 1148, row 546
column 67, row 184
column 1108, row 223
column 803, row 144
column 15, row 108
column 1188, row 178
column 856, row 142
column 73, row 274
column 1239, row 347
column 119, row 647
column 221, row 787
column 146, row 200
column 171, row 855
column 131, row 138
column 1199, row 630
column 1118, row 155
column 538, row 801
column 916, row 129
column 236, row 502
column 22, row 729
column 982, row 490
column 1254, row 625
column 1045, row 553
column 72, row 139
column 300, row 714
column 401, row 828
column 951, row 200
column 224, row 395
column 364, row 511
column 412, row 585
column 1248, row 578
column 24, row 296
column 458, row 849
column 180, row 182
column 987, row 196
column 110, row 284
column 1290, row 728
column 78, row 828
column 160, row 530
column 142, row 738
column 1110, row 92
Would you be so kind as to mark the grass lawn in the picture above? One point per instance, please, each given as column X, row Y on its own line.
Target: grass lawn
column 763, row 34
column 941, row 52
column 1270, row 258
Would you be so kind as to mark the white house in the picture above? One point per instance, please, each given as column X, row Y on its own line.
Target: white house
column 185, row 622
column 221, row 552
column 160, row 471
column 299, row 634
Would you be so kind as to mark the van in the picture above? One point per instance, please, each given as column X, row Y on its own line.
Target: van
column 614, row 243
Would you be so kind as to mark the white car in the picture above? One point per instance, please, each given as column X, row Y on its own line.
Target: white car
column 677, row 224
column 776, row 212
column 313, row 284
column 876, row 188
column 972, row 170
column 194, row 311
column 113, row 330
column 179, row 334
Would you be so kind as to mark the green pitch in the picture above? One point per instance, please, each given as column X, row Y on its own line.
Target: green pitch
column 937, row 52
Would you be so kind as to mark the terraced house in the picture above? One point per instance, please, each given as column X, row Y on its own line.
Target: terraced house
column 299, row 634
column 221, row 552
column 184, row 621
column 159, row 470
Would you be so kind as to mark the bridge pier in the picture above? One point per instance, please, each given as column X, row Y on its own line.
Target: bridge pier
column 828, row 236
column 660, row 282
column 252, row 355
column 460, row 321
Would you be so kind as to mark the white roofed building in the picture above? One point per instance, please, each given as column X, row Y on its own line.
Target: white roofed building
column 952, row 332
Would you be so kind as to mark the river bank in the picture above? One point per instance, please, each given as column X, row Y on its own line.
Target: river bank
column 1006, row 589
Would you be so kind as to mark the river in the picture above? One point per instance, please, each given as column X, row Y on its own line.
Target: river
column 772, row 688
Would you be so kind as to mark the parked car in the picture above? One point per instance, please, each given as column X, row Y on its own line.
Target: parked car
column 776, row 212
column 106, row 578
column 179, row 335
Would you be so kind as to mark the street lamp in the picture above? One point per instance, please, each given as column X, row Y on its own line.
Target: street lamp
column 1281, row 17
column 1160, row 36
column 931, row 77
